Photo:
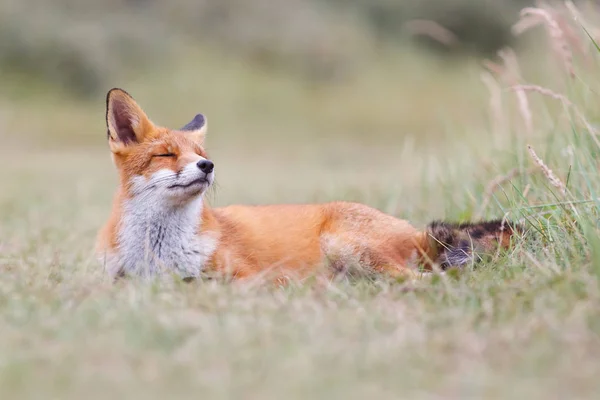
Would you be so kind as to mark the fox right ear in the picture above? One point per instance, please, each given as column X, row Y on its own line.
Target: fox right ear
column 126, row 122
column 196, row 128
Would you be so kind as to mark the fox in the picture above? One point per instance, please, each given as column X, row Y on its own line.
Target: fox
column 161, row 222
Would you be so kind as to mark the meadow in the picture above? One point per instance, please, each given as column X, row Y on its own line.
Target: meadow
column 412, row 134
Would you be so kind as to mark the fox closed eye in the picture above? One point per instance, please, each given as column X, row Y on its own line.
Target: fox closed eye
column 164, row 155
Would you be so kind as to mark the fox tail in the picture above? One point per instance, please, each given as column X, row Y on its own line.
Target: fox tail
column 457, row 244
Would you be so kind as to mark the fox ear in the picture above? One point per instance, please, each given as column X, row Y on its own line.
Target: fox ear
column 125, row 120
column 196, row 128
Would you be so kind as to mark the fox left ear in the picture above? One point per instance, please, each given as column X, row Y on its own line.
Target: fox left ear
column 126, row 122
column 196, row 128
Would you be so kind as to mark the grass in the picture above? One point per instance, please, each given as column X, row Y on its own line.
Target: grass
column 410, row 137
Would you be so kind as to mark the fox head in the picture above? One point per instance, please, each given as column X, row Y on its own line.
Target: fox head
column 155, row 161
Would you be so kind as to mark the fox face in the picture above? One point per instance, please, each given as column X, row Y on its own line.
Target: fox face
column 156, row 162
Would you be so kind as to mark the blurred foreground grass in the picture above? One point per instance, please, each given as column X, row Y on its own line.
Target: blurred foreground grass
column 413, row 136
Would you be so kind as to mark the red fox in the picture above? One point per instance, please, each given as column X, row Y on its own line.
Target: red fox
column 160, row 221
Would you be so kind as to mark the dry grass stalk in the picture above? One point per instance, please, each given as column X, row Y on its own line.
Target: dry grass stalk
column 553, row 179
column 578, row 17
column 509, row 71
column 566, row 103
column 544, row 91
column 511, row 74
column 557, row 36
column 495, row 68
column 526, row 190
column 573, row 39
column 509, row 57
column 493, row 185
column 525, row 110
column 496, row 112
column 433, row 30
column 575, row 13
column 526, row 23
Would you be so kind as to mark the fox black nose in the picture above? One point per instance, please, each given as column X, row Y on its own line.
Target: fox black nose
column 206, row 166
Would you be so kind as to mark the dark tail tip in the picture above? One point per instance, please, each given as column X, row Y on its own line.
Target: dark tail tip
column 457, row 244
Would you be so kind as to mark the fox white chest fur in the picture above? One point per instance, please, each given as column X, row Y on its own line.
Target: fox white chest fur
column 156, row 236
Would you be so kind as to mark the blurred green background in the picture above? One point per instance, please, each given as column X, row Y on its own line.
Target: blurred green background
column 352, row 65
column 83, row 45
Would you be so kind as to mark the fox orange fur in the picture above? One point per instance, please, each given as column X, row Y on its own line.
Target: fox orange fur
column 160, row 221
